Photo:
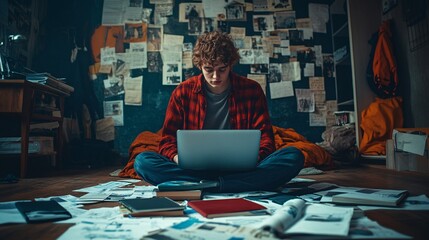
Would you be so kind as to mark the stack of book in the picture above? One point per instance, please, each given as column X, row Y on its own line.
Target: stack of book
column 36, row 78
column 179, row 190
column 156, row 206
column 48, row 79
column 59, row 84
column 179, row 195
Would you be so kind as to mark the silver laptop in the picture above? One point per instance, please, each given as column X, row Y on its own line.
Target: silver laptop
column 229, row 150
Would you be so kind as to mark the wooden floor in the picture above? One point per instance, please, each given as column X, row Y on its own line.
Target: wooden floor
column 413, row 223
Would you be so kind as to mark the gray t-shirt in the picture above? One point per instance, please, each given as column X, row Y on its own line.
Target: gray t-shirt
column 217, row 114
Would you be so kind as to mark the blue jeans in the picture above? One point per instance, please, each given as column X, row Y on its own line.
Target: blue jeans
column 274, row 171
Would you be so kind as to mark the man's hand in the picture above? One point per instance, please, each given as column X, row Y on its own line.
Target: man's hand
column 176, row 159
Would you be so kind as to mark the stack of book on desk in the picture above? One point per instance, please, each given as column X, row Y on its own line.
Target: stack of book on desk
column 59, row 84
column 36, row 78
column 48, row 79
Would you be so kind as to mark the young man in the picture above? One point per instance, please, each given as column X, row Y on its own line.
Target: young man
column 219, row 99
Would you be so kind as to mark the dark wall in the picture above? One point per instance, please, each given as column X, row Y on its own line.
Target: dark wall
column 149, row 116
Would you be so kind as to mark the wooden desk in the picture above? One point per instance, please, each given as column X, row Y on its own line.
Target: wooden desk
column 18, row 99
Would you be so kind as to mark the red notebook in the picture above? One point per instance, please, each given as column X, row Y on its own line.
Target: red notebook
column 227, row 207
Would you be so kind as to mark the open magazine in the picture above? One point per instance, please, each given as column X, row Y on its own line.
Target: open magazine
column 297, row 218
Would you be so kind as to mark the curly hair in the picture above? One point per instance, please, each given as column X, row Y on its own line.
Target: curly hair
column 214, row 46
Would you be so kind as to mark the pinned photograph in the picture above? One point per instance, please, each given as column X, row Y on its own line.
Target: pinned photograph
column 305, row 100
column 246, row 56
column 296, row 37
column 285, row 20
column 154, row 38
column 275, row 72
column 154, row 62
column 135, row 32
column 328, row 66
column 172, row 73
column 113, row 86
column 210, row 24
column 260, row 5
column 235, row 11
column 257, row 42
column 222, row 26
column 263, row 23
column 190, row 10
column 195, row 26
column 280, row 5
column 115, row 109
column 306, row 55
column 259, row 68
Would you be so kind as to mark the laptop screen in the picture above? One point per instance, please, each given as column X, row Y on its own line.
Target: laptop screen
column 232, row 150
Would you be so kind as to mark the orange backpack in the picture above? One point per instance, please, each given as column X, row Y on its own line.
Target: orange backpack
column 384, row 78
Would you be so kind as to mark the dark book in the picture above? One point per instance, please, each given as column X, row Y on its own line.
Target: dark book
column 42, row 211
column 369, row 196
column 169, row 213
column 227, row 207
column 179, row 185
column 156, row 206
column 180, row 195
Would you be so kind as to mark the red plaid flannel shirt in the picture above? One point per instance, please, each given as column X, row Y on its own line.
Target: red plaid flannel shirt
column 187, row 109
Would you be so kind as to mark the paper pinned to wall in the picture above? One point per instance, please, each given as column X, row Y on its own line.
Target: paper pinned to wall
column 133, row 91
column 291, row 71
column 115, row 109
column 281, row 89
column 319, row 15
column 317, row 83
column 113, row 12
column 214, row 9
column 305, row 100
